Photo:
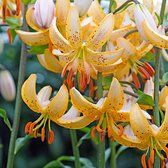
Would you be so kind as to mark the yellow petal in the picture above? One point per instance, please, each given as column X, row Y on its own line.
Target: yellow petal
column 62, row 9
column 50, row 62
column 156, row 39
column 139, row 124
column 58, row 105
column 120, row 116
column 57, row 38
column 82, row 105
column 149, row 4
column 101, row 34
column 115, row 97
column 96, row 12
column 103, row 58
column 162, row 96
column 31, row 21
column 126, row 140
column 28, row 93
column 73, row 28
column 119, row 18
column 34, row 38
column 73, row 120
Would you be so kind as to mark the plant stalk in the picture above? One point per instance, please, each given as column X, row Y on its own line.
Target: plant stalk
column 18, row 104
column 75, row 148
column 101, row 146
column 113, row 158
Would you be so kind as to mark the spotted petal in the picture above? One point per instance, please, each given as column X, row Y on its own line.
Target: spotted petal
column 103, row 58
column 50, row 62
column 34, row 38
column 73, row 28
column 101, row 34
column 58, row 105
column 28, row 93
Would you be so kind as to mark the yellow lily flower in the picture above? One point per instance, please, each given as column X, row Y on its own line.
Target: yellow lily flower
column 162, row 97
column 49, row 109
column 143, row 134
column 148, row 28
column 39, row 17
column 77, row 55
column 107, row 110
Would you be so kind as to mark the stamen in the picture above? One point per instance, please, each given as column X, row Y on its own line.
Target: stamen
column 121, row 129
column 18, row 7
column 93, row 135
column 163, row 165
column 50, row 46
column 136, row 80
column 166, row 151
column 91, row 88
column 64, row 70
column 102, row 136
column 4, row 10
column 99, row 129
column 50, row 137
column 32, row 127
column 143, row 161
column 151, row 159
column 36, row 134
column 144, row 73
column 27, row 127
column 149, row 69
column 43, row 134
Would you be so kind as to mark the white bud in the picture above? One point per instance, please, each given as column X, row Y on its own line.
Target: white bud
column 7, row 85
column 83, row 6
column 44, row 12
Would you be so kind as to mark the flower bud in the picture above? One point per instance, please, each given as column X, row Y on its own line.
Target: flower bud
column 7, row 85
column 83, row 6
column 44, row 12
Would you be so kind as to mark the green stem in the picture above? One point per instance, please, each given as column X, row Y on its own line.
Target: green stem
column 18, row 103
column 75, row 148
column 111, row 3
column 113, row 162
column 101, row 146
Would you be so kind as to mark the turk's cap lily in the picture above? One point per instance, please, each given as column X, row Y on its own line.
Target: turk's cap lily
column 50, row 109
column 83, row 6
column 44, row 12
column 7, row 85
column 148, row 28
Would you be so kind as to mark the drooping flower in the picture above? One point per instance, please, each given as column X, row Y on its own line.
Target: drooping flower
column 7, row 85
column 49, row 109
column 141, row 133
column 106, row 110
column 148, row 28
column 81, row 56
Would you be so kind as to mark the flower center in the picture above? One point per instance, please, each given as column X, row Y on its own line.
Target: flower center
column 40, row 123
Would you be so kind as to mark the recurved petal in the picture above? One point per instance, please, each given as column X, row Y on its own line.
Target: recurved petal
column 103, row 58
column 115, row 97
column 139, row 124
column 101, row 34
column 34, row 38
column 162, row 96
column 49, row 61
column 62, row 9
column 156, row 39
column 57, row 38
column 73, row 28
column 83, row 105
column 73, row 120
column 58, row 105
column 120, row 116
column 31, row 21
column 96, row 12
column 28, row 93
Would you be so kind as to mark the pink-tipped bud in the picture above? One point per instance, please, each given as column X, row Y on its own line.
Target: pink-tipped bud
column 83, row 6
column 7, row 85
column 44, row 12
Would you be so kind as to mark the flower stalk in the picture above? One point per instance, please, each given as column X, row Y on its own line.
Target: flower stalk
column 18, row 104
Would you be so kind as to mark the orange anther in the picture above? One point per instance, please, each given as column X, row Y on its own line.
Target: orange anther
column 152, row 50
column 50, row 137
column 50, row 46
column 166, row 151
column 136, row 80
column 27, row 127
column 92, row 88
column 149, row 68
column 36, row 134
column 93, row 135
column 144, row 72
column 101, row 136
column 31, row 127
column 18, row 7
column 43, row 134
column 109, row 131
column 163, row 165
column 143, row 161
column 121, row 130
column 152, row 156
column 99, row 129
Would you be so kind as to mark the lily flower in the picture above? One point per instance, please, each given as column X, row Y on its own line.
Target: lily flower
column 39, row 17
column 107, row 110
column 148, row 28
column 162, row 97
column 49, row 109
column 81, row 56
column 144, row 135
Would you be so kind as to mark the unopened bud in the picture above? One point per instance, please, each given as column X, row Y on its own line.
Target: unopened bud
column 83, row 6
column 7, row 85
column 44, row 12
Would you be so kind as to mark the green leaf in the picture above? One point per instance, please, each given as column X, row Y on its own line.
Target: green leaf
column 106, row 82
column 86, row 163
column 26, row 2
column 165, row 77
column 144, row 99
column 158, row 18
column 149, row 57
column 13, row 34
column 20, row 142
column 107, row 154
column 124, row 8
column 37, row 49
column 113, row 6
column 14, row 23
column 5, row 118
column 89, row 99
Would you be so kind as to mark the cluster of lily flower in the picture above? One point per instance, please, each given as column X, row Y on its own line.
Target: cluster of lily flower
column 82, row 42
